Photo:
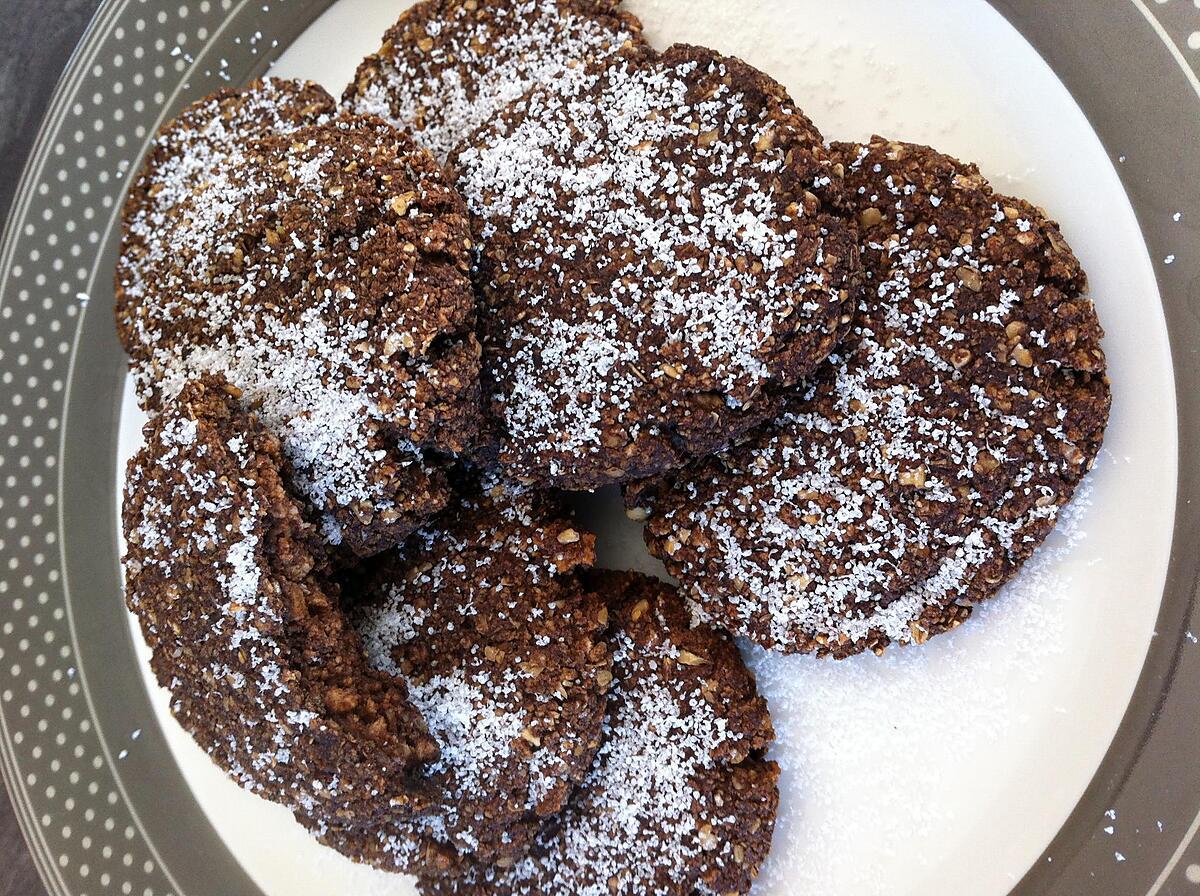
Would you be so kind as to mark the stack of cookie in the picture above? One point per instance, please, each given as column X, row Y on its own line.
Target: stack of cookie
column 848, row 387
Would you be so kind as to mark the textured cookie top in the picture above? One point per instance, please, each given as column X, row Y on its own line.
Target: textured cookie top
column 187, row 154
column 653, row 262
column 321, row 268
column 503, row 652
column 448, row 66
column 679, row 800
column 933, row 453
column 226, row 579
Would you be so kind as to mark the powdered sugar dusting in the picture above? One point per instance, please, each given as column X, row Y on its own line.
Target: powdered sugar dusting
column 481, row 57
column 920, row 467
column 475, row 735
column 220, row 519
column 227, row 226
column 498, row 643
column 641, row 201
column 648, row 818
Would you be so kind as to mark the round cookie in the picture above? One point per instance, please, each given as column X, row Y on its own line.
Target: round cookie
column 925, row 463
column 654, row 263
column 502, row 649
column 680, row 800
column 229, row 584
column 197, row 139
column 192, row 149
column 448, row 66
column 322, row 270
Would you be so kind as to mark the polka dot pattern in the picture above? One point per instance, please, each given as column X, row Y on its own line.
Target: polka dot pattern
column 142, row 60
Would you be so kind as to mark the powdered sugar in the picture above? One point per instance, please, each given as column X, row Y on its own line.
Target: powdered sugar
column 636, row 237
column 498, row 643
column 244, row 265
column 219, row 519
column 482, row 57
column 907, row 477
column 653, row 815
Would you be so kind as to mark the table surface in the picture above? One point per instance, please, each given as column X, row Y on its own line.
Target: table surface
column 36, row 39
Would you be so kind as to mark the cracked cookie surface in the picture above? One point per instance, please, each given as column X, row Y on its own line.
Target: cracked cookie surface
column 448, row 66
column 654, row 264
column 679, row 800
column 930, row 457
column 483, row 615
column 319, row 263
column 230, row 586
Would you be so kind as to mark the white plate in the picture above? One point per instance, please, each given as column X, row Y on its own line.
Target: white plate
column 945, row 768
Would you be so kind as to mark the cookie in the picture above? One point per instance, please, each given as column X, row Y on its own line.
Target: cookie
column 448, row 66
column 926, row 462
column 321, row 267
column 503, row 651
column 228, row 582
column 655, row 265
column 679, row 800
column 191, row 150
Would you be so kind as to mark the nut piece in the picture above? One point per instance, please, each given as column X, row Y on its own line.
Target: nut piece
column 799, row 582
column 568, row 536
column 493, row 654
column 671, row 370
column 970, row 278
column 401, row 203
column 869, row 217
column 340, row 700
column 765, row 140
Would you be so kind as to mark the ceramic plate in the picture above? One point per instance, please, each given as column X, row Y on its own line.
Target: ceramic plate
column 1050, row 745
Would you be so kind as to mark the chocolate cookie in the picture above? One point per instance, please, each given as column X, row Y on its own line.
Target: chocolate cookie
column 503, row 652
column 654, row 263
column 448, row 66
column 321, row 268
column 679, row 800
column 228, row 582
column 932, row 455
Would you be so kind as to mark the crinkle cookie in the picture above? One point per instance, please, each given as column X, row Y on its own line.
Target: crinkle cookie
column 929, row 458
column 229, row 584
column 448, row 66
column 655, row 265
column 320, row 264
column 679, row 800
column 502, row 647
